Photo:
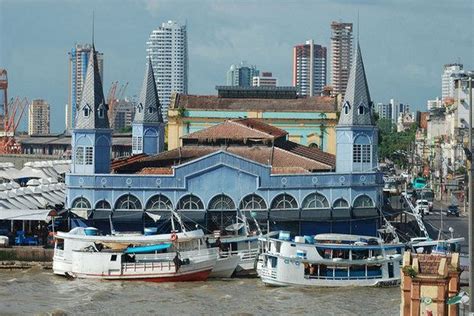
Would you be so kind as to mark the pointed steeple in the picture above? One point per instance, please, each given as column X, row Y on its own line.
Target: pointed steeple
column 148, row 109
column 92, row 111
column 357, row 106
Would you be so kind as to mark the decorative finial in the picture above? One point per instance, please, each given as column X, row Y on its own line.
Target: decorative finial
column 93, row 29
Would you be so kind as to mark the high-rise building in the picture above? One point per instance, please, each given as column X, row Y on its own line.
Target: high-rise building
column 167, row 47
column 241, row 75
column 124, row 111
column 433, row 104
column 266, row 79
column 341, row 55
column 38, row 117
column 447, row 80
column 309, row 68
column 384, row 111
column 78, row 60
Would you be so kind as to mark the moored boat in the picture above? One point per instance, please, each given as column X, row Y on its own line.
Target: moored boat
column 141, row 263
column 330, row 260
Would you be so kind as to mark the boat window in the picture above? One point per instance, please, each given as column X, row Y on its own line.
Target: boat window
column 273, row 261
column 59, row 244
column 360, row 254
column 113, row 258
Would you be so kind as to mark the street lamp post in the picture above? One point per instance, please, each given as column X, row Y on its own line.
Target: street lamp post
column 471, row 204
column 469, row 155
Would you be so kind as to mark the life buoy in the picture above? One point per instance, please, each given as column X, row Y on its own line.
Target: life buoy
column 174, row 237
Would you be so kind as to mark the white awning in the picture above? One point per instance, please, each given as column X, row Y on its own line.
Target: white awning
column 25, row 215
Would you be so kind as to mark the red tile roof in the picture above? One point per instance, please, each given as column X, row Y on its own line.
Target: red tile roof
column 308, row 152
column 237, row 130
column 213, row 102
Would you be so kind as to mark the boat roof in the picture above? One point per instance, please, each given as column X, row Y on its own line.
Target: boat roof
column 78, row 233
column 340, row 237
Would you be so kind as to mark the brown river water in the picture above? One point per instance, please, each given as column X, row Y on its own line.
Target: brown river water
column 39, row 292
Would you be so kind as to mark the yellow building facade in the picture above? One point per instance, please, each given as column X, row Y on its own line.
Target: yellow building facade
column 308, row 121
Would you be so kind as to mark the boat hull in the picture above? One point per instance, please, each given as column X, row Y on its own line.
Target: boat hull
column 225, row 267
column 332, row 283
column 192, row 276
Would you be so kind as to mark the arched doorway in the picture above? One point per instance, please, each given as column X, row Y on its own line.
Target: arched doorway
column 221, row 213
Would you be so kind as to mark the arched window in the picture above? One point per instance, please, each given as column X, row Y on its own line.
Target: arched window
column 347, row 107
column 150, row 110
column 361, row 109
column 253, row 202
column 159, row 203
column 102, row 205
column 363, row 201
column 139, row 107
column 315, row 201
column 101, row 113
column 128, row 202
column 284, row 202
column 81, row 203
column 190, row 202
column 362, row 150
column 221, row 202
column 86, row 110
column 340, row 203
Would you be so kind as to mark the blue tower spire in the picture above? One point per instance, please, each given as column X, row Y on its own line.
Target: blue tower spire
column 356, row 133
column 92, row 136
column 148, row 126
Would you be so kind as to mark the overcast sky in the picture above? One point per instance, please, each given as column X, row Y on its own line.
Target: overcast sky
column 404, row 43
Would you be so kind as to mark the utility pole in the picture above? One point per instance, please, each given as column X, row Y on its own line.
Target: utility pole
column 471, row 204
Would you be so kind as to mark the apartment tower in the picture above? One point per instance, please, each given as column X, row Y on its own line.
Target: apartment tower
column 38, row 118
column 78, row 60
column 447, row 80
column 309, row 68
column 167, row 47
column 341, row 55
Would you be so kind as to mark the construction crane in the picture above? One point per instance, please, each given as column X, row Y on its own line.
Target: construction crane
column 15, row 110
column 113, row 97
column 4, row 100
column 111, row 102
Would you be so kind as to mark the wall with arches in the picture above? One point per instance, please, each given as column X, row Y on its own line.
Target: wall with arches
column 287, row 199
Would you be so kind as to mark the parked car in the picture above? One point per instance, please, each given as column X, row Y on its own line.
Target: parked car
column 453, row 210
column 405, row 175
column 423, row 206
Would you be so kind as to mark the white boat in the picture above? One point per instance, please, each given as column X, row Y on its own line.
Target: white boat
column 144, row 265
column 330, row 260
column 239, row 240
column 80, row 238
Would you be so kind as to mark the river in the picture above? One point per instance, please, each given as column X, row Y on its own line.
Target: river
column 37, row 291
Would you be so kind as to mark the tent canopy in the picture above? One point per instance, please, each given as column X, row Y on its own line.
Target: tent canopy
column 27, row 215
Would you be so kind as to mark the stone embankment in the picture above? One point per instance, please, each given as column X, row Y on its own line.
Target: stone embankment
column 26, row 257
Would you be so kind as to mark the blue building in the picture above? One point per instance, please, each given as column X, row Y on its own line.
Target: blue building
column 238, row 165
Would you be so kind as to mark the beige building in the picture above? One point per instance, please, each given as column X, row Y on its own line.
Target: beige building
column 341, row 55
column 38, row 118
column 309, row 121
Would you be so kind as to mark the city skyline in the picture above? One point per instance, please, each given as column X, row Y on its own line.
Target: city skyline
column 410, row 71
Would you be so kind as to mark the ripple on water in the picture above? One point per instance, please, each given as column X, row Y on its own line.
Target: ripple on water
column 40, row 292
